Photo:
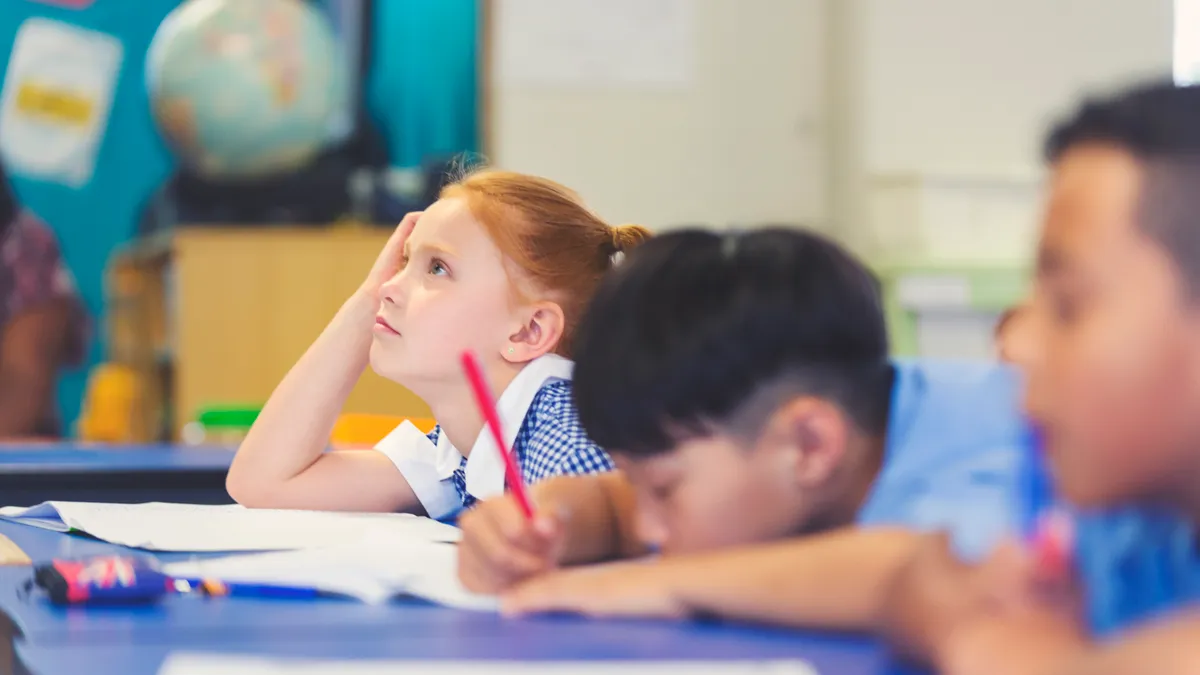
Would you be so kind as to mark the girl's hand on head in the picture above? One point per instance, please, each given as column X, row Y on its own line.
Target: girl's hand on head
column 391, row 259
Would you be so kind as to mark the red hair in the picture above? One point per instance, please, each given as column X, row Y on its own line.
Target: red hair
column 549, row 234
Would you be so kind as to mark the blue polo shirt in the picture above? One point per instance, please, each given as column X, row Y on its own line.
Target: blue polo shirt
column 1135, row 564
column 955, row 453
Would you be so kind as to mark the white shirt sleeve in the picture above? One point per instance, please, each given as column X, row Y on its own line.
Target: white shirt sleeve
column 416, row 457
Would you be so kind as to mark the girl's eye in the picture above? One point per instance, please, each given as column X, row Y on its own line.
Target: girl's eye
column 438, row 268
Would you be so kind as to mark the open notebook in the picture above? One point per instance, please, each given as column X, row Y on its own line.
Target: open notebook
column 194, row 528
column 205, row 664
column 372, row 570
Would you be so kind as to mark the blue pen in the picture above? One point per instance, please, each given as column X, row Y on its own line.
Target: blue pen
column 1038, row 492
column 215, row 587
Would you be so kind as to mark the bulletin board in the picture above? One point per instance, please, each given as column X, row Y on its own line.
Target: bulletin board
column 91, row 219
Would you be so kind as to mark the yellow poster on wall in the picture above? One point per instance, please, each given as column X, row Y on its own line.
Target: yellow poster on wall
column 57, row 95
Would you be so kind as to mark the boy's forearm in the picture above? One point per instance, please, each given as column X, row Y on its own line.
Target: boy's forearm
column 599, row 516
column 834, row 581
column 1167, row 647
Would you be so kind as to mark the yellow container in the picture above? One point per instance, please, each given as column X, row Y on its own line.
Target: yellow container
column 109, row 404
column 364, row 430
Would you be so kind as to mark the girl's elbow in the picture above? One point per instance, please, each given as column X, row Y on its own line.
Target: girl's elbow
column 244, row 490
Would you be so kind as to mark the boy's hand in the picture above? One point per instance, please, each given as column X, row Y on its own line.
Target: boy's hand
column 626, row 589
column 1021, row 642
column 937, row 596
column 391, row 258
column 501, row 547
column 929, row 596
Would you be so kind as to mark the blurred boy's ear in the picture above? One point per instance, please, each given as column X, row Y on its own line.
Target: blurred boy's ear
column 812, row 433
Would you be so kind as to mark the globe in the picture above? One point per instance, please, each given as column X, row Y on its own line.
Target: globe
column 246, row 88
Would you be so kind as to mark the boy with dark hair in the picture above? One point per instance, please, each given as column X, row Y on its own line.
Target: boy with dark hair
column 742, row 384
column 1114, row 381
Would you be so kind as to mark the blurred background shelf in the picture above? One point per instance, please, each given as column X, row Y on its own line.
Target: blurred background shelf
column 217, row 315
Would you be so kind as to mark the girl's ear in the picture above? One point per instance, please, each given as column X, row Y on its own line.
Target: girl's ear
column 541, row 329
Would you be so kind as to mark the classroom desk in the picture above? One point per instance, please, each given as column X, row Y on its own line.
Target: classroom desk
column 46, row 640
column 33, row 473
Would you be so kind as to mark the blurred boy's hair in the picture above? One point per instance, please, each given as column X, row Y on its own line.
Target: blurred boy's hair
column 696, row 330
column 1159, row 125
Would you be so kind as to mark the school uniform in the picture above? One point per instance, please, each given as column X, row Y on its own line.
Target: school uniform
column 954, row 453
column 1135, row 564
column 540, row 424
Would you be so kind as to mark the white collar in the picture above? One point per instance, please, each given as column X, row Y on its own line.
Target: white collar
column 485, row 466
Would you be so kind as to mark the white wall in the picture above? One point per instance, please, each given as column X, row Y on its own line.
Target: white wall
column 954, row 98
column 741, row 143
column 831, row 112
column 969, row 85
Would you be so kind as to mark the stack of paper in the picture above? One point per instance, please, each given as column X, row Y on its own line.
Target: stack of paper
column 194, row 528
column 371, row 557
column 202, row 664
column 371, row 570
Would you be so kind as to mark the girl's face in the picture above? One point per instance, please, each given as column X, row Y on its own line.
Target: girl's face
column 452, row 293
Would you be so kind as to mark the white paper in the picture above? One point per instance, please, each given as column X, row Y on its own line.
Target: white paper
column 207, row 664
column 197, row 528
column 638, row 44
column 57, row 96
column 371, row 571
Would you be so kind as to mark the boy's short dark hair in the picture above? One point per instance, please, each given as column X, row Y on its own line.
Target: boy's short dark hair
column 694, row 325
column 1159, row 124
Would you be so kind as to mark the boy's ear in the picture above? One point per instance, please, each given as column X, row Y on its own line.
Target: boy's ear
column 813, row 434
column 541, row 329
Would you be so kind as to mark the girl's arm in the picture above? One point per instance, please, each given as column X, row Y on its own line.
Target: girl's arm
column 282, row 462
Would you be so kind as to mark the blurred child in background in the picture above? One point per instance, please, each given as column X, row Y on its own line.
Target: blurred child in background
column 1114, row 382
column 43, row 325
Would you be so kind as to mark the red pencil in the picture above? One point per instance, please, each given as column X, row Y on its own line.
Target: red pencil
column 487, row 406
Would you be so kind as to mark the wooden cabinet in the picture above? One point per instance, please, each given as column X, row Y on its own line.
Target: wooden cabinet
column 211, row 315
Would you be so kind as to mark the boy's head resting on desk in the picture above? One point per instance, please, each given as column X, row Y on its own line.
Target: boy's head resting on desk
column 1114, row 360
column 501, row 264
column 741, row 381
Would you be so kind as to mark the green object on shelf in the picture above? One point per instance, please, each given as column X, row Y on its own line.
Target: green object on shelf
column 228, row 417
column 913, row 287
